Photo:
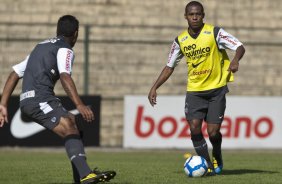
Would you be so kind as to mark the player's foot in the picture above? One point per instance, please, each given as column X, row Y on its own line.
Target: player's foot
column 210, row 172
column 92, row 178
column 218, row 165
column 107, row 175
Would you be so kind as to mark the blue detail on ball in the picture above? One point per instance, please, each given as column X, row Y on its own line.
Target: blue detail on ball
column 191, row 169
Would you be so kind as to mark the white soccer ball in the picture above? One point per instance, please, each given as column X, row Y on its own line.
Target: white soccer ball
column 195, row 166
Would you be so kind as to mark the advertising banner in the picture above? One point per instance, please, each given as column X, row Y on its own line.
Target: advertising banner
column 21, row 131
column 249, row 122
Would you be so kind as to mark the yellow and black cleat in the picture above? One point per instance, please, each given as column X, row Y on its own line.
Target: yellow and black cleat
column 187, row 155
column 92, row 178
column 106, row 175
column 217, row 166
column 210, row 172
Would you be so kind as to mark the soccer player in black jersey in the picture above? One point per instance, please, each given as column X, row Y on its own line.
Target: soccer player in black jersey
column 50, row 61
column 209, row 70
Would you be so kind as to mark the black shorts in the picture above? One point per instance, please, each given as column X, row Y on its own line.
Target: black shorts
column 206, row 106
column 47, row 114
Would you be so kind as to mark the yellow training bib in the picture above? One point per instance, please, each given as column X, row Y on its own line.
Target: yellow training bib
column 207, row 65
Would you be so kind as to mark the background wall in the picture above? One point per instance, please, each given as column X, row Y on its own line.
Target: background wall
column 130, row 41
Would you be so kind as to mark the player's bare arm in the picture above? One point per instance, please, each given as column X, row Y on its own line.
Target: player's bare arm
column 9, row 87
column 234, row 65
column 165, row 74
column 3, row 115
column 70, row 89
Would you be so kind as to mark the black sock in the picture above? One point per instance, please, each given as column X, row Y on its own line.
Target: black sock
column 201, row 147
column 75, row 174
column 216, row 143
column 75, row 150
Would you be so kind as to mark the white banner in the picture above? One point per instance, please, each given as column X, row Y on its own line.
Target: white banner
column 249, row 122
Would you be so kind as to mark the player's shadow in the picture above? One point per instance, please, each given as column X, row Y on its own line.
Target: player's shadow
column 110, row 183
column 246, row 171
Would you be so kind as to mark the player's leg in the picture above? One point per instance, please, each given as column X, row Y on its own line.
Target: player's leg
column 54, row 117
column 67, row 129
column 75, row 173
column 215, row 117
column 216, row 141
column 107, row 175
column 76, row 164
column 198, row 140
column 195, row 111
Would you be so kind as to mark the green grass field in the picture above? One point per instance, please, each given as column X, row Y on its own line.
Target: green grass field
column 29, row 166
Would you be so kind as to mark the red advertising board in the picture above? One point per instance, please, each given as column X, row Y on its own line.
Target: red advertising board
column 249, row 122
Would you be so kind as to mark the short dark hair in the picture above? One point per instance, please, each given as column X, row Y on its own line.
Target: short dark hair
column 194, row 3
column 67, row 25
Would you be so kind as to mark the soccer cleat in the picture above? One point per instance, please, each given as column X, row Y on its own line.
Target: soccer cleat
column 92, row 178
column 210, row 172
column 218, row 165
column 187, row 155
column 106, row 175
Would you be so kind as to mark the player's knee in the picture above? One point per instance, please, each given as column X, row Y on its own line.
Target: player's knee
column 215, row 136
column 212, row 133
column 197, row 137
column 71, row 129
column 195, row 131
column 213, row 130
column 68, row 127
column 195, row 127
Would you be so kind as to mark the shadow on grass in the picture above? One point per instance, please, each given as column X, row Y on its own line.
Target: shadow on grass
column 74, row 183
column 243, row 171
column 246, row 171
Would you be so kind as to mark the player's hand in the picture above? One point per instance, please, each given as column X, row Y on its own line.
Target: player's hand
column 3, row 115
column 152, row 97
column 86, row 112
column 234, row 66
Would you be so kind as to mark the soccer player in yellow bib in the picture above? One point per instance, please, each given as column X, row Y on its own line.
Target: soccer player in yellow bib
column 209, row 70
